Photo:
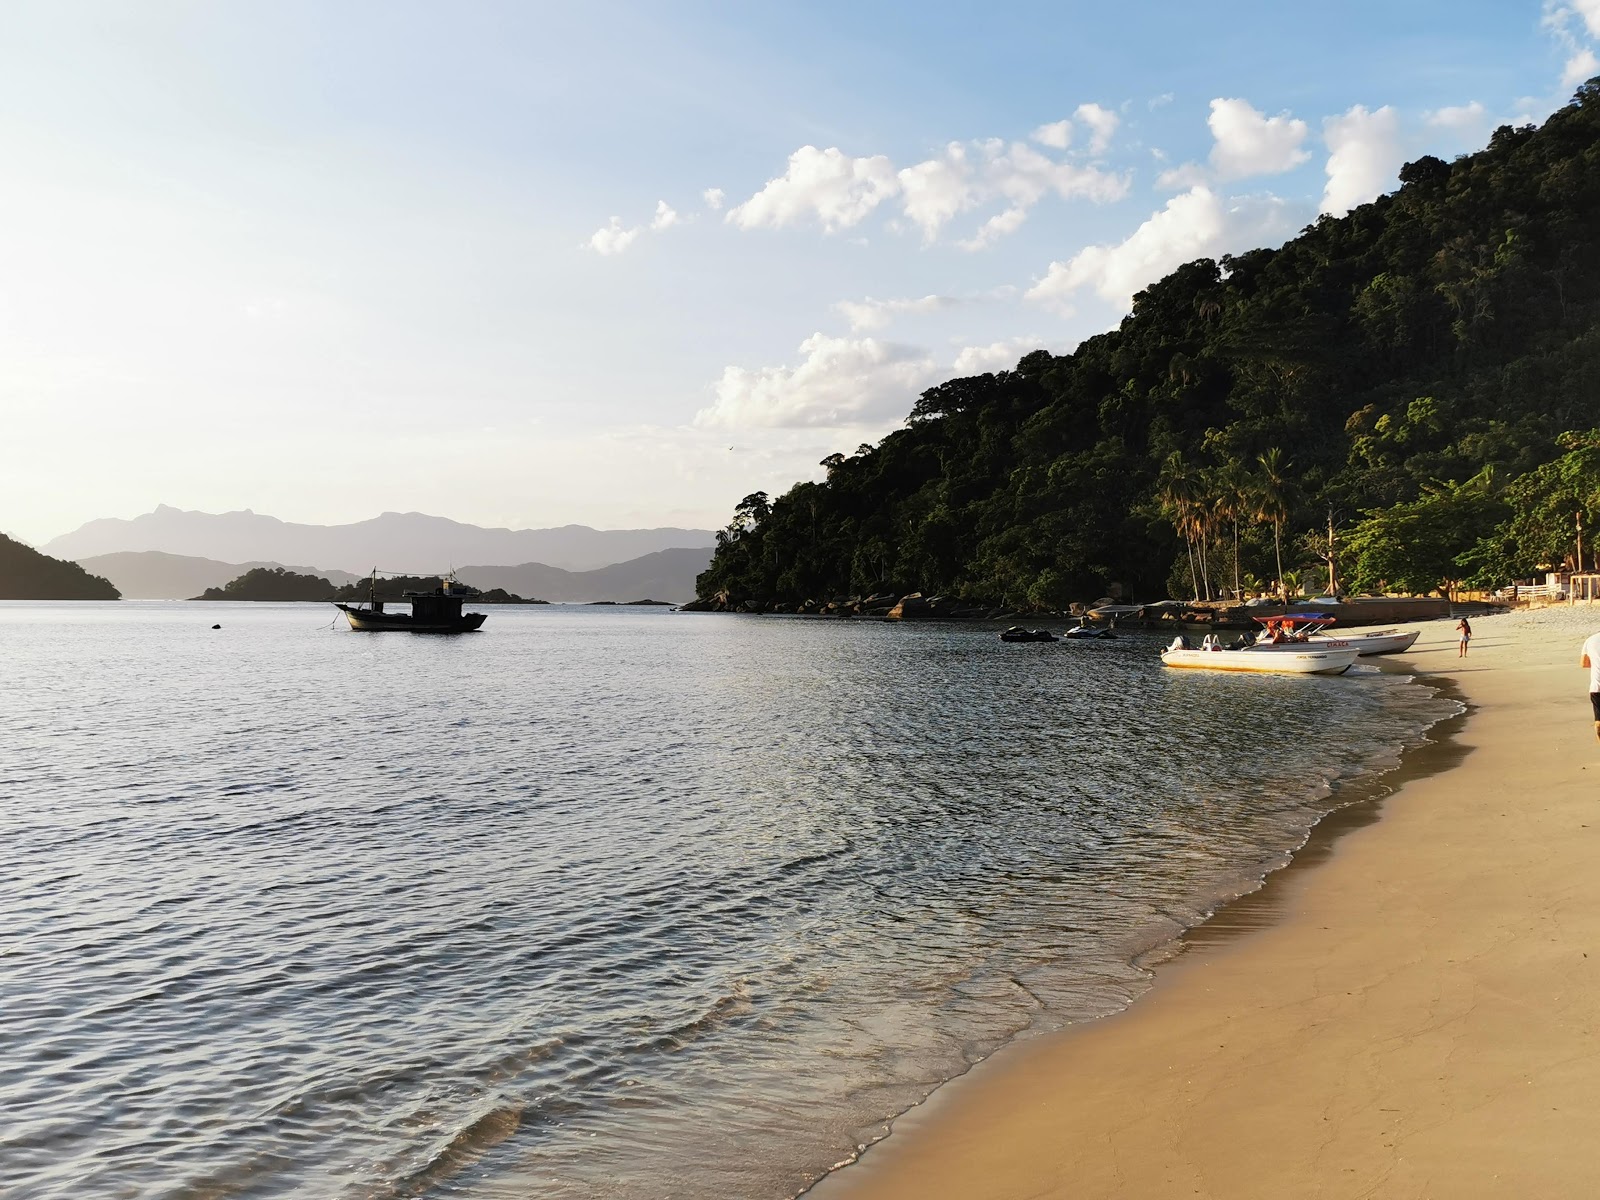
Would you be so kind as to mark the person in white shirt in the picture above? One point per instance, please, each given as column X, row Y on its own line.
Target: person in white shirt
column 1591, row 659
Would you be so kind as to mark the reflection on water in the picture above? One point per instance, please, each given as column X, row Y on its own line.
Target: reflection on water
column 597, row 902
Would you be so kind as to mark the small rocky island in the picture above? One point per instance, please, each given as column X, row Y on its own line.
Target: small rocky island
column 280, row 585
column 394, row 587
column 271, row 584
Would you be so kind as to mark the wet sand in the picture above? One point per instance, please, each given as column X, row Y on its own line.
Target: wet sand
column 1411, row 1011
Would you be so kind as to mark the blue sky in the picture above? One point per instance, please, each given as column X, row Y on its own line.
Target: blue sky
column 621, row 263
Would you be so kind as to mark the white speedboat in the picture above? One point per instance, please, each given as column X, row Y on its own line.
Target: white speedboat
column 1278, row 660
column 1304, row 631
column 1382, row 641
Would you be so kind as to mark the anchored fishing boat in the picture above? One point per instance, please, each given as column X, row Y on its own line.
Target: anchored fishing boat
column 438, row 611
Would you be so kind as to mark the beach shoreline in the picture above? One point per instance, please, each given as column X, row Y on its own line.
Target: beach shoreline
column 1405, row 1010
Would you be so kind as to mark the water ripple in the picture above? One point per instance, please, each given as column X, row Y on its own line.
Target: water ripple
column 594, row 902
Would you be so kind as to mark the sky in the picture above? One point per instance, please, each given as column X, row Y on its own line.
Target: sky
column 620, row 264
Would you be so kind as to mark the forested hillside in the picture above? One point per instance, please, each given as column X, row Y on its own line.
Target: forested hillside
column 1426, row 368
column 25, row 574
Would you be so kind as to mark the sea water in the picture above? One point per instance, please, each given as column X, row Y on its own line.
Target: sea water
column 598, row 902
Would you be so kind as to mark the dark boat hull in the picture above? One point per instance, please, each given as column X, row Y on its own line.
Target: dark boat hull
column 364, row 620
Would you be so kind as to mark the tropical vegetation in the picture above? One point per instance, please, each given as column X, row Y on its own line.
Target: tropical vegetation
column 1411, row 390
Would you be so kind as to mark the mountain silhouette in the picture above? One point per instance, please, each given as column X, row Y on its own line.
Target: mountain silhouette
column 411, row 543
column 154, row 575
column 25, row 574
column 663, row 575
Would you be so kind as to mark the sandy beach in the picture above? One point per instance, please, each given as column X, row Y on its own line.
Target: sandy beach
column 1415, row 1015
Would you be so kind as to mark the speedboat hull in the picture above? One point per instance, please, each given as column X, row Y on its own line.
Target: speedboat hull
column 1389, row 641
column 1386, row 641
column 1280, row 660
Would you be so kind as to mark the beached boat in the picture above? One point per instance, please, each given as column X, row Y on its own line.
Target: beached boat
column 1277, row 660
column 438, row 611
column 1308, row 631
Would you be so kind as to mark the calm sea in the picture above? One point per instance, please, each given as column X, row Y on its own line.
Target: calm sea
column 597, row 902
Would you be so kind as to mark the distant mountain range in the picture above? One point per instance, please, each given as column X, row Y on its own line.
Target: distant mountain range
column 664, row 575
column 152, row 575
column 410, row 543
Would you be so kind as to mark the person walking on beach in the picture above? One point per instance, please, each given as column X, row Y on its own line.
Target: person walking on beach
column 1591, row 659
column 1466, row 636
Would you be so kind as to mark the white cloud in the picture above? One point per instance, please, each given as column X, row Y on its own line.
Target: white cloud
column 936, row 190
column 713, row 198
column 1589, row 12
column 1002, row 356
column 1364, row 157
column 875, row 314
column 1558, row 19
column 839, row 382
column 1579, row 67
column 665, row 217
column 969, row 176
column 1250, row 143
column 1058, row 136
column 1181, row 178
column 831, row 186
column 1160, row 101
column 840, row 191
column 613, row 238
column 1196, row 224
column 1022, row 175
column 1102, row 123
column 1002, row 224
column 1458, row 118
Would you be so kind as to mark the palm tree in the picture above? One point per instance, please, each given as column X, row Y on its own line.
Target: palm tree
column 1179, row 496
column 1272, row 488
column 1233, row 488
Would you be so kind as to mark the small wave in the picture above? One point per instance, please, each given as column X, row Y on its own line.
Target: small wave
column 482, row 1134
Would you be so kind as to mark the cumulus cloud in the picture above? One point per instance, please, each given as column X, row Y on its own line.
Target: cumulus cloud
column 829, row 185
column 1197, row 224
column 936, row 190
column 1587, row 12
column 1160, row 101
column 1459, row 117
column 968, row 176
column 665, row 217
column 1364, row 157
column 1181, row 178
column 838, row 191
column 1248, row 142
column 1559, row 19
column 1002, row 224
column 1579, row 67
column 613, row 238
column 838, row 382
column 875, row 314
column 1058, row 135
column 1002, row 356
column 1102, row 123
column 713, row 198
